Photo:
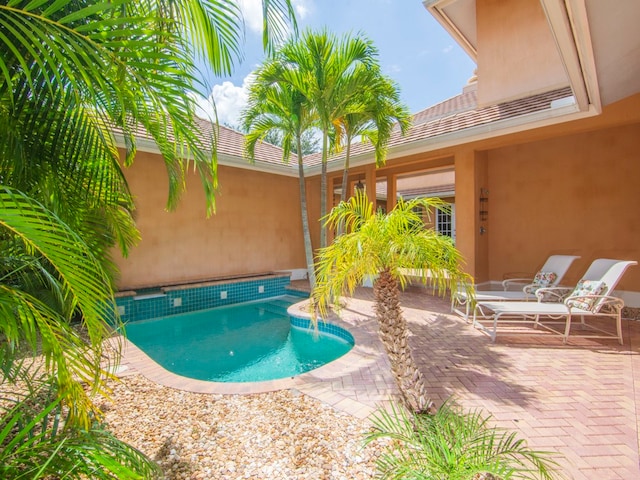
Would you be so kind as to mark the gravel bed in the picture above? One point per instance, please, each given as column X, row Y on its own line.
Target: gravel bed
column 278, row 435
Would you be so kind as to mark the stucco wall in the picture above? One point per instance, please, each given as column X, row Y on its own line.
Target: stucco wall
column 257, row 227
column 517, row 55
column 577, row 194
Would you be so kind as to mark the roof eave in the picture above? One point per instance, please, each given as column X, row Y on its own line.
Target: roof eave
column 436, row 9
column 560, row 114
column 149, row 146
column 569, row 26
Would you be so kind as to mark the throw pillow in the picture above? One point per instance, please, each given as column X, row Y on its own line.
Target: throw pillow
column 586, row 287
column 541, row 280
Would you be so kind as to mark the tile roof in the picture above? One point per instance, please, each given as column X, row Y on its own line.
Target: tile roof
column 454, row 115
column 231, row 143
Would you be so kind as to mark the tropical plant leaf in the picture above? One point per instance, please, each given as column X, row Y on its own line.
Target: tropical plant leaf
column 454, row 445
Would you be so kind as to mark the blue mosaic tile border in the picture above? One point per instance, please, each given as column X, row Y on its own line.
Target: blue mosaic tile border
column 324, row 328
column 171, row 301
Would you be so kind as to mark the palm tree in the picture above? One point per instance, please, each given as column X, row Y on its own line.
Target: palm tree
column 49, row 276
column 72, row 73
column 374, row 121
column 387, row 246
column 274, row 107
column 77, row 80
column 329, row 72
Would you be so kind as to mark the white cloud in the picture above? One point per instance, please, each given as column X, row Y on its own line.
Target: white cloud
column 252, row 12
column 447, row 49
column 229, row 100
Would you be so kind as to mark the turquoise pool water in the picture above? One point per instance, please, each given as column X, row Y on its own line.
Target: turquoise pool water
column 247, row 342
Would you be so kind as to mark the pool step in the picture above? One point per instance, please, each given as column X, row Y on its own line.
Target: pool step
column 277, row 306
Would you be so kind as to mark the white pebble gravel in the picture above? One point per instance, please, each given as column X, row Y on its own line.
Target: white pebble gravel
column 278, row 435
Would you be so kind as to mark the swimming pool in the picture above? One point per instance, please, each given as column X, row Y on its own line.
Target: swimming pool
column 247, row 342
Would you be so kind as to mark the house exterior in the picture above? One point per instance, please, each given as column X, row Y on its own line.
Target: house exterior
column 539, row 154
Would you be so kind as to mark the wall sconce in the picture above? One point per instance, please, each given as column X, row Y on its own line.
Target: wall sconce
column 359, row 186
column 484, row 204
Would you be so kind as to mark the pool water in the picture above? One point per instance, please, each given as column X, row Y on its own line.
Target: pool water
column 246, row 342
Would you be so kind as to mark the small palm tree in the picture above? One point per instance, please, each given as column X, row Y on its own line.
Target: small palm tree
column 387, row 246
column 454, row 445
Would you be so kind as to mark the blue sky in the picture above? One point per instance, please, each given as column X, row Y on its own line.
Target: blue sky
column 413, row 48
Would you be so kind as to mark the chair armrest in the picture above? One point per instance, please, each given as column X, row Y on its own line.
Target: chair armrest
column 553, row 294
column 515, row 282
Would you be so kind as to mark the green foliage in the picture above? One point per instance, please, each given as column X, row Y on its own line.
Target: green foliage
column 34, row 443
column 375, row 241
column 43, row 254
column 454, row 445
column 80, row 80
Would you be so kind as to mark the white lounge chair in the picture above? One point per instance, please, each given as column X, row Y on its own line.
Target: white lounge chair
column 549, row 275
column 591, row 297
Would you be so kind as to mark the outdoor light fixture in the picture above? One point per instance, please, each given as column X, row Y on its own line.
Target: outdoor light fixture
column 360, row 186
column 484, row 209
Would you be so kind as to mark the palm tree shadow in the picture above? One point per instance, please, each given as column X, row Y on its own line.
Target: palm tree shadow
column 456, row 359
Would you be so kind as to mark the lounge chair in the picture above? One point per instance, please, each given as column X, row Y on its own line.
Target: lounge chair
column 549, row 275
column 590, row 297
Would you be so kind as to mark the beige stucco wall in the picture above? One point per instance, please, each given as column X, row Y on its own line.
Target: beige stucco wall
column 578, row 194
column 516, row 54
column 257, row 227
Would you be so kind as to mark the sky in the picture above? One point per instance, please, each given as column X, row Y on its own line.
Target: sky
column 413, row 49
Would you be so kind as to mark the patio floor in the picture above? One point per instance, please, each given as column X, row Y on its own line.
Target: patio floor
column 581, row 399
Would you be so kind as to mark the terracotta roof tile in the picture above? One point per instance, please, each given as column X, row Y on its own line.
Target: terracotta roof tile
column 230, row 143
column 454, row 115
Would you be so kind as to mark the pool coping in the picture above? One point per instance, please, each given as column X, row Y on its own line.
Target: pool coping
column 316, row 383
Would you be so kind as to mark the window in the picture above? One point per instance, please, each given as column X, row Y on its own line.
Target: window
column 445, row 222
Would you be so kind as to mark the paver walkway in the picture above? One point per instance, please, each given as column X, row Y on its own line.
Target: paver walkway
column 581, row 399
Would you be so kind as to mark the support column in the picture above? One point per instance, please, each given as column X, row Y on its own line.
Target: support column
column 392, row 191
column 370, row 184
column 471, row 241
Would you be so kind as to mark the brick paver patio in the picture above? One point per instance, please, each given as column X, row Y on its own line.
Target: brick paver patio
column 581, row 399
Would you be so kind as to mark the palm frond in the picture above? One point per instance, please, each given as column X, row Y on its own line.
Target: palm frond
column 454, row 445
column 83, row 283
column 35, row 444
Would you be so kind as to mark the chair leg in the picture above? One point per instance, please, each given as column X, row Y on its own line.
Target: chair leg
column 567, row 329
column 619, row 326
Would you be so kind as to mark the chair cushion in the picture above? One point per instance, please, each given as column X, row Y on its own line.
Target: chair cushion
column 541, row 280
column 587, row 287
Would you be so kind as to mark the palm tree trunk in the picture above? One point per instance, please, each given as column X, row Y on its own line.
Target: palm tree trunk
column 345, row 172
column 323, row 191
column 308, row 248
column 345, row 178
column 394, row 336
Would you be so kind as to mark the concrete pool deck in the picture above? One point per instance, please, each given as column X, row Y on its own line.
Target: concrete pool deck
column 581, row 399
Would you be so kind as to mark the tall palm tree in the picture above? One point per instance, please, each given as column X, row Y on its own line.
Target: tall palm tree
column 386, row 246
column 380, row 111
column 328, row 71
column 274, row 107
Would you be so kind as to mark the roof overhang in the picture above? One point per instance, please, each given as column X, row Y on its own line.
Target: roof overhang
column 597, row 41
column 149, row 146
column 557, row 114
